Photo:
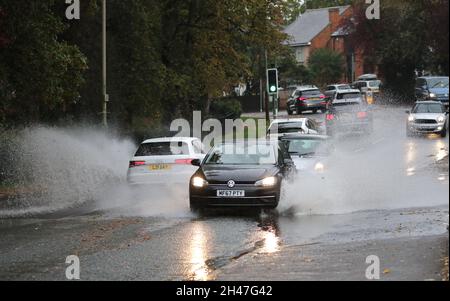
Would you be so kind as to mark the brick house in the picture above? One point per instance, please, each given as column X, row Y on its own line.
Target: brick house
column 322, row 28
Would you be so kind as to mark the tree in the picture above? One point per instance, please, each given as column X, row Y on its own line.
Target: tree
column 410, row 36
column 326, row 66
column 41, row 75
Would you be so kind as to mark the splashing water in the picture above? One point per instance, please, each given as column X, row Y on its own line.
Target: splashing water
column 64, row 168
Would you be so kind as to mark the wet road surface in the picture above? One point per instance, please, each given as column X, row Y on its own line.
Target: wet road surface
column 387, row 196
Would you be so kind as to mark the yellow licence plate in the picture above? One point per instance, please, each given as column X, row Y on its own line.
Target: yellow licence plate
column 154, row 167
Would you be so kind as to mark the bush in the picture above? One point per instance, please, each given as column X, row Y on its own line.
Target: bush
column 326, row 66
column 226, row 108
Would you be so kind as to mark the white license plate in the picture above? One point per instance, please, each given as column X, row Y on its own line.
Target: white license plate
column 231, row 193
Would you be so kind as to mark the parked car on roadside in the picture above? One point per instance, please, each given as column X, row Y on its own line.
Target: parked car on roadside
column 165, row 161
column 433, row 88
column 280, row 127
column 330, row 90
column 427, row 117
column 306, row 98
column 365, row 86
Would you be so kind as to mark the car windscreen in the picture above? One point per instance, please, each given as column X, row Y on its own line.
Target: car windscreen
column 428, row 108
column 344, row 87
column 162, row 149
column 310, row 93
column 374, row 83
column 352, row 95
column 304, row 147
column 441, row 82
column 240, row 154
column 349, row 106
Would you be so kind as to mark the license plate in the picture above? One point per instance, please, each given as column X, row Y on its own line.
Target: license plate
column 231, row 193
column 154, row 167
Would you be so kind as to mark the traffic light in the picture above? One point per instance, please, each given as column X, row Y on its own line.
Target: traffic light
column 272, row 81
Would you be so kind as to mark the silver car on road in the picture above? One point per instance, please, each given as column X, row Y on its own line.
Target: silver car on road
column 427, row 117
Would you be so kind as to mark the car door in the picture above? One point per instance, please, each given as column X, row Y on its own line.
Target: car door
column 291, row 100
column 421, row 89
column 330, row 91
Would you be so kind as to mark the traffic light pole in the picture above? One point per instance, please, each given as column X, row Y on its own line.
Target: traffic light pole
column 272, row 89
column 105, row 95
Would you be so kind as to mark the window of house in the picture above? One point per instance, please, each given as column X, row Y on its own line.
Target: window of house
column 300, row 54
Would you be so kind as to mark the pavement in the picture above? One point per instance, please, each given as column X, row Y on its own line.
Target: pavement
column 386, row 196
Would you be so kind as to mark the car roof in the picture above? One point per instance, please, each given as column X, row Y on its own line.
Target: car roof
column 430, row 77
column 367, row 76
column 249, row 142
column 170, row 139
column 292, row 120
column 303, row 136
column 428, row 102
column 306, row 88
column 348, row 91
column 338, row 85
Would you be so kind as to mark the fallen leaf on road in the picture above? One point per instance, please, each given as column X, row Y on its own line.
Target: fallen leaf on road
column 386, row 271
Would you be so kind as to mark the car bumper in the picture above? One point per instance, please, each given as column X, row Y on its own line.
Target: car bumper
column 313, row 106
column 426, row 128
column 254, row 197
column 354, row 127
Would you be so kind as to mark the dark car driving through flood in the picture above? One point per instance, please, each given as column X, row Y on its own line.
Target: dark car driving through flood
column 241, row 174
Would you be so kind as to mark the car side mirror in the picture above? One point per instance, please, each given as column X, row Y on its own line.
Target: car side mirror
column 408, row 112
column 196, row 162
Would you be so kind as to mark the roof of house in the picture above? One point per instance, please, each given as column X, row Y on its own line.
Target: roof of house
column 309, row 25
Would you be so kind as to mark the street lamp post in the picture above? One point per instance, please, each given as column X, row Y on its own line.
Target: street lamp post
column 105, row 95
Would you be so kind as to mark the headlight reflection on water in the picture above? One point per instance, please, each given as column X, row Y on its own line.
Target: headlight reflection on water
column 198, row 254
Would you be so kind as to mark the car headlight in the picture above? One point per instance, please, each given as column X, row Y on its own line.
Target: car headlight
column 319, row 167
column 267, row 182
column 411, row 118
column 441, row 119
column 432, row 95
column 199, row 182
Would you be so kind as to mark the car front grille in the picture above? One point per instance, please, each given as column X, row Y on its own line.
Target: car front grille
column 426, row 121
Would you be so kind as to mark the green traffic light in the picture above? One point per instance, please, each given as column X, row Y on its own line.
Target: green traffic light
column 273, row 89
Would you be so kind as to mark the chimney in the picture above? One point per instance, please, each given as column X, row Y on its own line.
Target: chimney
column 335, row 18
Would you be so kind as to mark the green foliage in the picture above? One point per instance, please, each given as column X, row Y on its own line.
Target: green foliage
column 410, row 36
column 165, row 58
column 291, row 72
column 40, row 76
column 326, row 66
column 226, row 109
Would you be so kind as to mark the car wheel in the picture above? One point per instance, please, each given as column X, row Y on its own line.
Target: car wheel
column 194, row 207
column 289, row 111
column 444, row 133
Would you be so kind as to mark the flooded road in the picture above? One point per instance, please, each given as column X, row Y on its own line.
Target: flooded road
column 384, row 195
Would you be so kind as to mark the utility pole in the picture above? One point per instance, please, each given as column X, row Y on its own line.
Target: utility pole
column 266, row 94
column 105, row 95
